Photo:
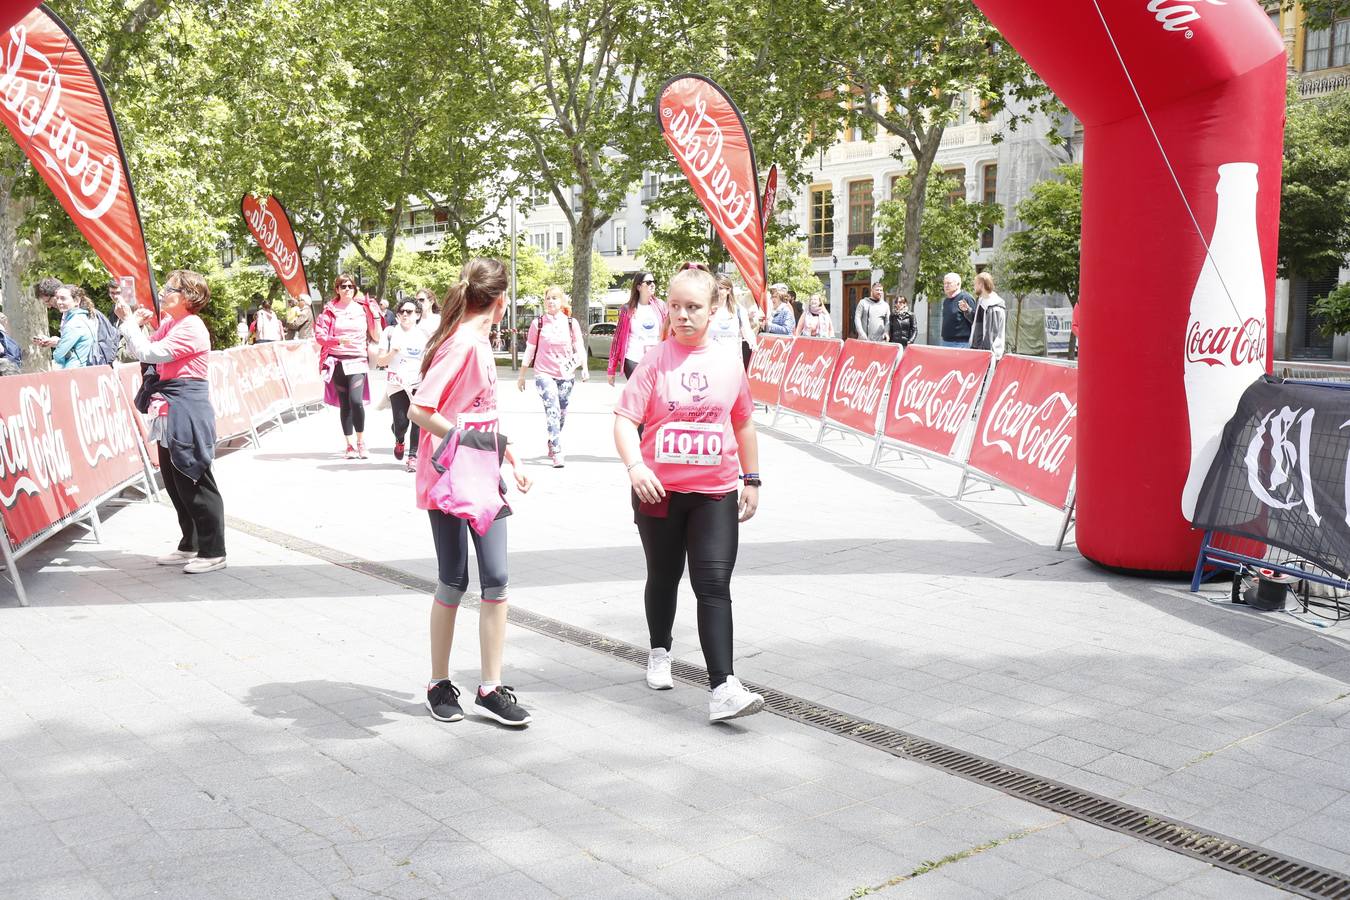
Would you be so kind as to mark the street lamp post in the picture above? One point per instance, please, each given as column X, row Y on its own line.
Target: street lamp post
column 514, row 365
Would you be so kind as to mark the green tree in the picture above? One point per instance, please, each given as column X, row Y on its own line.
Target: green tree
column 1043, row 256
column 789, row 264
column 1314, row 197
column 560, row 265
column 1321, row 13
column 951, row 233
column 1334, row 309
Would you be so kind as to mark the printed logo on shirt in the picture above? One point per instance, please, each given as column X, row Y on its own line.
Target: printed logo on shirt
column 695, row 384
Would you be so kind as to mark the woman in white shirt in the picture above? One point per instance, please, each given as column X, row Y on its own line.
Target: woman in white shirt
column 729, row 324
column 641, row 322
column 401, row 350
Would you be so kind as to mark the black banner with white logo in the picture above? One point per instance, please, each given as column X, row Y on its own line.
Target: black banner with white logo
column 1282, row 473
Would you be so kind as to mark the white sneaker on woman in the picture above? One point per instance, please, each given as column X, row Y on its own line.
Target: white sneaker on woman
column 176, row 558
column 658, row 669
column 731, row 700
column 204, row 564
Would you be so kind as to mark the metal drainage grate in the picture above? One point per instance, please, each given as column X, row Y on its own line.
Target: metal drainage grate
column 1228, row 853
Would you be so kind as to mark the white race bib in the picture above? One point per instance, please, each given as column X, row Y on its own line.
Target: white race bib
column 477, row 421
column 690, row 443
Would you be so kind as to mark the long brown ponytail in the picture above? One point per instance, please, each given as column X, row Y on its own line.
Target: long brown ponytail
column 481, row 282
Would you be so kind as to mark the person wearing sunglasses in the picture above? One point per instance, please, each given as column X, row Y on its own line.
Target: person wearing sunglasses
column 401, row 350
column 642, row 321
column 348, row 330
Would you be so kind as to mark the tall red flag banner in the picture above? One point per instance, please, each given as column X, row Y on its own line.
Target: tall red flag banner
column 770, row 197
column 54, row 105
column 707, row 135
column 271, row 228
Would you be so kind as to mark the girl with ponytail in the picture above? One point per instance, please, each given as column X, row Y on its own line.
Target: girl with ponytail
column 459, row 391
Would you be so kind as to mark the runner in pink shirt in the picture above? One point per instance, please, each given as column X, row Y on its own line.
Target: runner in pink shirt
column 698, row 442
column 555, row 349
column 459, row 390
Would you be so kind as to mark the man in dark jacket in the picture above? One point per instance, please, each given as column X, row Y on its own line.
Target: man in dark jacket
column 957, row 311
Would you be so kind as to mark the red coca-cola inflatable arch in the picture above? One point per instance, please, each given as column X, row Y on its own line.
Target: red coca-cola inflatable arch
column 1182, row 104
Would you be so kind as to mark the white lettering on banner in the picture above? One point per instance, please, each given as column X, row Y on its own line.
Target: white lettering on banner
column 264, row 224
column 860, row 389
column 769, row 360
column 224, row 397
column 1288, row 477
column 697, row 141
column 941, row 404
column 1175, row 16
column 808, row 380
column 101, row 422
column 1224, row 345
column 91, row 185
column 1036, row 429
column 32, row 447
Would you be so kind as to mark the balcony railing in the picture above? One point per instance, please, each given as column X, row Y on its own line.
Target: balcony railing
column 821, row 244
column 861, row 239
column 1322, row 85
column 424, row 228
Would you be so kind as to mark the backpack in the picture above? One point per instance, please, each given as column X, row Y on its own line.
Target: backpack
column 106, row 340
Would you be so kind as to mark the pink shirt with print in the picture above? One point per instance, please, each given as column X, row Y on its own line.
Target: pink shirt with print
column 461, row 385
column 554, row 345
column 689, row 399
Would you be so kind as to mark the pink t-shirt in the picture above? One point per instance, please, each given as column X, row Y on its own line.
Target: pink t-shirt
column 188, row 341
column 461, row 385
column 689, row 399
column 558, row 342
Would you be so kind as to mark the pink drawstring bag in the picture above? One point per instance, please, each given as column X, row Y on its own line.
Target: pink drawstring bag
column 470, row 486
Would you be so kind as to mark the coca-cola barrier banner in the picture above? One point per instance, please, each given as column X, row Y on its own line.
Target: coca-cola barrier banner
column 233, row 416
column 806, row 380
column 1027, row 426
column 271, row 228
column 1182, row 104
column 707, row 135
column 66, row 439
column 261, row 381
column 300, row 363
column 768, row 364
column 129, row 377
column 860, row 379
column 933, row 392
column 54, row 105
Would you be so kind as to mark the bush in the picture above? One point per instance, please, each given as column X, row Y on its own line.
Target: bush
column 1334, row 308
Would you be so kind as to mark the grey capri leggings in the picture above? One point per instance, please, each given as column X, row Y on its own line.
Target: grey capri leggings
column 451, row 537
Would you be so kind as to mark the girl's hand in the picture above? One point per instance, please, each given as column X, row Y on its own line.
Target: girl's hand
column 523, row 481
column 143, row 315
column 611, row 379
column 645, row 483
column 520, row 381
column 585, row 374
column 749, row 502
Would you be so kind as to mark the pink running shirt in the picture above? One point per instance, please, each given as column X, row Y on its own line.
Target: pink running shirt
column 554, row 346
column 689, row 399
column 461, row 385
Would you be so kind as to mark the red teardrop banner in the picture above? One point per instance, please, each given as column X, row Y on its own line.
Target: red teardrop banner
column 271, row 228
column 707, row 134
column 770, row 197
column 54, row 105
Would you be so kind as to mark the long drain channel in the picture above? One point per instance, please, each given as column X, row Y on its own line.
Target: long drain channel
column 1240, row 857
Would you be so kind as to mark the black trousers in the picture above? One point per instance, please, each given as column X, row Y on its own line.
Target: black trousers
column 706, row 531
column 351, row 391
column 399, row 401
column 201, row 511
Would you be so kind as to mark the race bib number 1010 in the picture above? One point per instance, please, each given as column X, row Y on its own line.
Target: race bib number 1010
column 690, row 443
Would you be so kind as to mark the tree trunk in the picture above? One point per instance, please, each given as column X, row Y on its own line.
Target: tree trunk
column 583, row 239
column 27, row 317
column 390, row 238
column 915, row 201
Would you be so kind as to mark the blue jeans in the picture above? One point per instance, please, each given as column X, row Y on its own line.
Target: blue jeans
column 555, row 392
column 965, row 344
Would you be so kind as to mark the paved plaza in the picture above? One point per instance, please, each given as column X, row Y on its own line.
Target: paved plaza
column 258, row 732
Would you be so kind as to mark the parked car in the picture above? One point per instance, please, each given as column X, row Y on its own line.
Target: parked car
column 599, row 339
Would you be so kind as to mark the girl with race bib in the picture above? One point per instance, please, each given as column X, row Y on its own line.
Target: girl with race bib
column 401, row 351
column 555, row 349
column 640, row 324
column 698, row 441
column 459, row 390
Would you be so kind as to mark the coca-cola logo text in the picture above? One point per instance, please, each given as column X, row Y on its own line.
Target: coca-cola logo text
column 1176, row 16
column 102, row 422
column 941, row 404
column 1227, row 345
column 698, row 142
column 808, row 378
column 769, row 361
column 859, row 389
column 33, row 454
column 267, row 230
column 33, row 103
column 1032, row 432
column 224, row 397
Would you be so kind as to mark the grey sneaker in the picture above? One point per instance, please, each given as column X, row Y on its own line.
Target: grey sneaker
column 443, row 702
column 501, row 706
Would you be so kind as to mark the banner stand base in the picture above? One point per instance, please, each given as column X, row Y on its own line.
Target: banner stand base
column 784, row 411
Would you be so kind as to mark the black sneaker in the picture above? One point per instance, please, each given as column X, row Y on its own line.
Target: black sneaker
column 443, row 702
column 501, row 706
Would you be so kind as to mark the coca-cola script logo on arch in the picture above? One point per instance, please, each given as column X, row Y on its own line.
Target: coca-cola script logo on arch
column 1227, row 345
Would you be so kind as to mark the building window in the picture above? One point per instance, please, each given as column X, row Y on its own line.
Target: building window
column 621, row 237
column 540, row 196
column 822, row 221
column 651, row 187
column 959, row 191
column 895, row 183
column 859, row 214
column 558, row 240
column 990, row 193
column 539, row 241
column 1327, row 48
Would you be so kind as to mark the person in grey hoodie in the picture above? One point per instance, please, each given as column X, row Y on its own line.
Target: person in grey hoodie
column 990, row 325
column 871, row 317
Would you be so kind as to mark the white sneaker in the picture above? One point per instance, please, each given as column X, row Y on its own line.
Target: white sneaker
column 558, row 462
column 731, row 700
column 658, row 669
column 176, row 558
column 204, row 564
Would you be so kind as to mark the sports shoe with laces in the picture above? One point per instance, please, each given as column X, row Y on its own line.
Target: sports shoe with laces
column 443, row 702
column 411, row 462
column 204, row 564
column 361, row 450
column 501, row 706
column 351, row 452
column 658, row 669
column 398, row 450
column 731, row 700
column 176, row 558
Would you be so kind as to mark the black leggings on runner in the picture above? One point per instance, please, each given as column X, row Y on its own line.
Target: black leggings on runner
column 351, row 391
column 451, row 537
column 706, row 530
column 399, row 401
column 628, row 368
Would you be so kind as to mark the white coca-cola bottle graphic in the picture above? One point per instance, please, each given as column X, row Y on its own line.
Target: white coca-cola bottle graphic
column 1226, row 334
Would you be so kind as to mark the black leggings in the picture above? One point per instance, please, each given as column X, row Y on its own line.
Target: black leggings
column 399, row 402
column 707, row 531
column 201, row 511
column 351, row 391
column 451, row 537
column 628, row 368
